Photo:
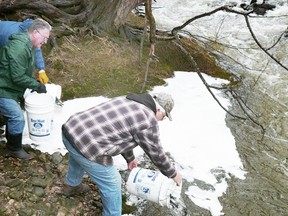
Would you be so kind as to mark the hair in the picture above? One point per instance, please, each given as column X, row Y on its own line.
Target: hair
column 39, row 24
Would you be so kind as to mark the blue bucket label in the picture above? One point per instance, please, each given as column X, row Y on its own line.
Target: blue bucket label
column 40, row 127
column 145, row 190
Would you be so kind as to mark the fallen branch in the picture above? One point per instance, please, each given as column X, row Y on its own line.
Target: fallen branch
column 239, row 101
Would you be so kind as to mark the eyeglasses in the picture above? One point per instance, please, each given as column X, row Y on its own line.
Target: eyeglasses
column 46, row 38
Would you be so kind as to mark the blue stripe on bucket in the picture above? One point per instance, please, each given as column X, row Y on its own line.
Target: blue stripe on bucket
column 136, row 175
column 39, row 135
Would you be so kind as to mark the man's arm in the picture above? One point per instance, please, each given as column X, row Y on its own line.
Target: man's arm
column 40, row 65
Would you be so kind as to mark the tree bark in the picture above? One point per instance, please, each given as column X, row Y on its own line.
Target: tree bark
column 96, row 15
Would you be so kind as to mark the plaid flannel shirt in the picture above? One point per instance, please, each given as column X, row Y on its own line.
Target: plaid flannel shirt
column 116, row 127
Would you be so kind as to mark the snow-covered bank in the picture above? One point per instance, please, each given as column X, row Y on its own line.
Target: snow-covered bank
column 197, row 138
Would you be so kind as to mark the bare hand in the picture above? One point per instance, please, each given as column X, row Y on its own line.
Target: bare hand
column 178, row 179
column 132, row 164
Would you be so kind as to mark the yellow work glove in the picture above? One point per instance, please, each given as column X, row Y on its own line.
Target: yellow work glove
column 43, row 78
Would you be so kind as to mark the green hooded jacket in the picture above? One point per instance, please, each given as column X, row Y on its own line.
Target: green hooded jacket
column 17, row 67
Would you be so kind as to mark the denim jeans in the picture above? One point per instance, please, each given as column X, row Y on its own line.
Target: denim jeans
column 12, row 111
column 107, row 178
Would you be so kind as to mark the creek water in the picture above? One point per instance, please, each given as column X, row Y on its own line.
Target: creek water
column 261, row 139
column 264, row 155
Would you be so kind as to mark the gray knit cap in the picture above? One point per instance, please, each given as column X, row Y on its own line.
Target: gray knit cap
column 165, row 101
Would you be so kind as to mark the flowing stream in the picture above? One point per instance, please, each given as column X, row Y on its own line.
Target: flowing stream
column 261, row 99
column 264, row 155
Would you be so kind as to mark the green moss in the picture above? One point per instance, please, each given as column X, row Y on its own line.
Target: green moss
column 127, row 209
column 58, row 65
column 93, row 66
column 205, row 62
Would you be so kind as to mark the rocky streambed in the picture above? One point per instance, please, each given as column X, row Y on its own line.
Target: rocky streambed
column 264, row 154
column 30, row 188
column 34, row 187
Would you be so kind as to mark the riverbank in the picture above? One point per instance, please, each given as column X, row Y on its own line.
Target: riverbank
column 34, row 187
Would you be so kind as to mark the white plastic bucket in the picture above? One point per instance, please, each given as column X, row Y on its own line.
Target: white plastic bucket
column 53, row 90
column 154, row 186
column 40, row 111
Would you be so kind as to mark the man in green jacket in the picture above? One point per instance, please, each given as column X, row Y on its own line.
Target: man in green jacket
column 16, row 75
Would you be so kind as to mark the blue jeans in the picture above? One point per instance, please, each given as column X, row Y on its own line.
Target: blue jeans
column 107, row 178
column 12, row 111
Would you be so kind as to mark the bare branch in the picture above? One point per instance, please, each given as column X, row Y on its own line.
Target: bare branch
column 239, row 100
column 152, row 57
column 225, row 8
column 204, row 81
column 258, row 43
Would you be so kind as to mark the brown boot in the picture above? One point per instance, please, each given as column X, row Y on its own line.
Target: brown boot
column 74, row 190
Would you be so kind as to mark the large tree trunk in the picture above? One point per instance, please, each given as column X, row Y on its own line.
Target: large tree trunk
column 96, row 15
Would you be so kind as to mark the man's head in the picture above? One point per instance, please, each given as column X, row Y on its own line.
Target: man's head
column 39, row 32
column 165, row 101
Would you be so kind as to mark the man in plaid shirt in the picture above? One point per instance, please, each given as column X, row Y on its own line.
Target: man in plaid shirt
column 94, row 136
